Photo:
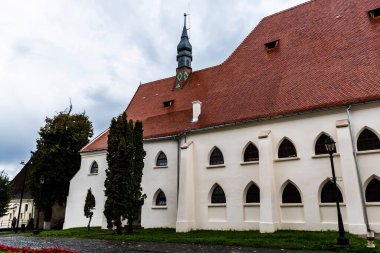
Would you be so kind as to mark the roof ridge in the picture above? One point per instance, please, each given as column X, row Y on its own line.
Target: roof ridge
column 93, row 140
column 246, row 37
column 165, row 78
column 289, row 9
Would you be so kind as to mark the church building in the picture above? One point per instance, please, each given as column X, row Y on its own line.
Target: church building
column 240, row 145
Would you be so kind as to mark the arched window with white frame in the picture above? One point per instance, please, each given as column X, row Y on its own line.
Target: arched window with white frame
column 160, row 198
column 328, row 193
column 286, row 149
column 253, row 194
column 94, row 168
column 216, row 157
column 368, row 140
column 372, row 191
column 218, row 196
column 161, row 160
column 320, row 147
column 251, row 153
column 291, row 194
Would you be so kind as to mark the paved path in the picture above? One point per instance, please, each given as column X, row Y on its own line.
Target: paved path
column 95, row 245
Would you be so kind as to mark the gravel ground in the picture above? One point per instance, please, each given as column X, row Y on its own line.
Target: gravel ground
column 95, row 245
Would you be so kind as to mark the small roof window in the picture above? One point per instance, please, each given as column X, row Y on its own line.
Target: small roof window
column 270, row 46
column 168, row 103
column 374, row 14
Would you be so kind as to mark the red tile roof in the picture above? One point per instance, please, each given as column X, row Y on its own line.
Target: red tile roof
column 327, row 56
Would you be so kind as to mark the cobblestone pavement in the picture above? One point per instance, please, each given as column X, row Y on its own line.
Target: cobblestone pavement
column 95, row 245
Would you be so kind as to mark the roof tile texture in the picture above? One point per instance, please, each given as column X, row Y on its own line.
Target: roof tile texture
column 328, row 55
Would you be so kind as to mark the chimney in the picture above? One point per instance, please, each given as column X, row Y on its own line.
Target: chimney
column 196, row 110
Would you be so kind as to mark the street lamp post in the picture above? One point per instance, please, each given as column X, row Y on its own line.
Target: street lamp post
column 330, row 147
column 22, row 195
column 36, row 230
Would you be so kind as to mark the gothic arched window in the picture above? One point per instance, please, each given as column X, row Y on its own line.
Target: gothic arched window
column 253, row 194
column 328, row 194
column 216, row 157
column 372, row 192
column 218, row 196
column 286, row 149
column 290, row 194
column 161, row 199
column 251, row 153
column 320, row 147
column 161, row 159
column 368, row 140
column 94, row 168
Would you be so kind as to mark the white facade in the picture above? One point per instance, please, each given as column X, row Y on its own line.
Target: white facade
column 196, row 180
column 27, row 211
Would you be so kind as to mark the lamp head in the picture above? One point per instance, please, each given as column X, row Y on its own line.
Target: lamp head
column 330, row 145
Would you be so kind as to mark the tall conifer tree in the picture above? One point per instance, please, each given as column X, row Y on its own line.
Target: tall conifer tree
column 123, row 182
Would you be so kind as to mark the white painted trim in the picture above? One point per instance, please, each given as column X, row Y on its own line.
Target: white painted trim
column 291, row 205
column 251, row 204
column 324, row 155
column 367, row 152
column 249, row 163
column 215, row 166
column 217, row 205
column 160, row 167
column 159, row 207
column 286, row 159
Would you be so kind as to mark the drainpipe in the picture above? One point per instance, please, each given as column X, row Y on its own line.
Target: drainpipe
column 178, row 138
column 370, row 233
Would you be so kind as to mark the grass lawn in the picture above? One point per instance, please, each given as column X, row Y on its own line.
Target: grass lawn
column 297, row 240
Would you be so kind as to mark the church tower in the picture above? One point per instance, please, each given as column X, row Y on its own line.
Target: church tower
column 184, row 58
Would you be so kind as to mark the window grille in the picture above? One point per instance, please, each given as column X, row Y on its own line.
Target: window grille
column 94, row 168
column 328, row 194
column 216, row 157
column 218, row 195
column 162, row 160
column 372, row 192
column 253, row 194
column 251, row 153
column 286, row 149
column 161, row 199
column 291, row 194
column 368, row 140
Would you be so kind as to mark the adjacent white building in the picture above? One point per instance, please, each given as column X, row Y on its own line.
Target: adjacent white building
column 240, row 145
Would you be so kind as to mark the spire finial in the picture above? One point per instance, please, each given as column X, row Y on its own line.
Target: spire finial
column 185, row 19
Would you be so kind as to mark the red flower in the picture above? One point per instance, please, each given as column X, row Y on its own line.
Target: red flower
column 30, row 250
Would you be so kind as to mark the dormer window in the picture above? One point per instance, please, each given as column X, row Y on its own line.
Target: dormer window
column 168, row 103
column 270, row 46
column 374, row 14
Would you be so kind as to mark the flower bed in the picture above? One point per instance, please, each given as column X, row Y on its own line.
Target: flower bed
column 30, row 250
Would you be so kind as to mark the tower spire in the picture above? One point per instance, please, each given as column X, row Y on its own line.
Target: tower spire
column 184, row 57
column 184, row 48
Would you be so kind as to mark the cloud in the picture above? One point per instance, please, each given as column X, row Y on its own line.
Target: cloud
column 97, row 52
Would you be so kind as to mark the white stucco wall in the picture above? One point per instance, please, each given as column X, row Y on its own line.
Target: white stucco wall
column 79, row 185
column 27, row 211
column 307, row 172
column 164, row 178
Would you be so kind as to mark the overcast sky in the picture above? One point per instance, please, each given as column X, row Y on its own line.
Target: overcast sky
column 96, row 52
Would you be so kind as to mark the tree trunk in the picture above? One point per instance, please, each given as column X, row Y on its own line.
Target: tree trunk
column 118, row 227
column 88, row 226
column 129, row 225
